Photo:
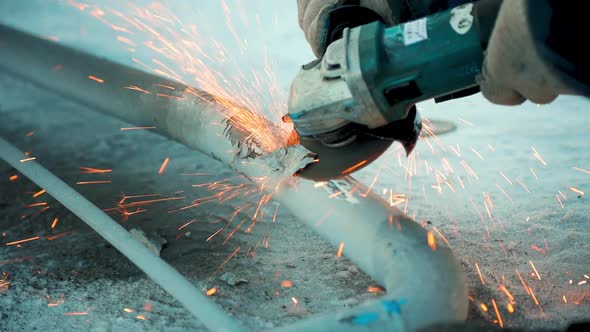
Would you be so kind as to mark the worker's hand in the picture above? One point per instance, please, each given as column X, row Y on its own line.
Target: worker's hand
column 513, row 71
column 313, row 18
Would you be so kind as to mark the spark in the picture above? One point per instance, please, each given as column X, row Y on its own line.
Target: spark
column 76, row 313
column 581, row 170
column 559, row 201
column 294, row 300
column 274, row 217
column 227, row 260
column 13, row 178
column 564, row 299
column 375, row 289
column 39, row 193
column 30, row 133
column 534, row 269
column 141, row 317
column 479, row 273
column 97, row 79
column 524, row 285
column 577, row 191
column 23, row 241
column 57, row 236
column 164, row 164
column 523, row 186
column 213, row 235
column 93, row 182
column 137, row 128
column 431, row 240
column 212, row 291
column 504, row 192
column 469, row 169
column 27, row 159
column 477, row 153
column 125, row 40
column 136, row 88
column 36, row 204
column 90, row 170
column 510, row 308
column 538, row 156
column 441, row 236
column 54, row 223
column 340, row 249
column 497, row 313
column 465, row 121
column 484, row 307
column 505, row 291
column 354, row 167
column 534, row 174
column 188, row 223
column 505, row 178
column 533, row 296
column 286, row 284
column 541, row 250
column 128, row 310
column 151, row 201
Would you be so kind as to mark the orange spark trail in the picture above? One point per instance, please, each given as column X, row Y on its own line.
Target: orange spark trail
column 164, row 164
column 188, row 223
column 94, row 78
column 23, row 241
column 479, row 273
column 497, row 313
column 505, row 178
column 13, row 178
column 577, row 191
column 526, row 287
column 27, row 159
column 93, row 182
column 534, row 269
column 581, row 170
column 212, row 291
column 39, row 193
column 227, row 260
column 523, row 186
column 54, row 223
column 90, row 170
column 76, row 313
column 441, row 236
column 538, row 156
column 505, row 291
column 431, row 240
column 136, row 88
column 340, row 249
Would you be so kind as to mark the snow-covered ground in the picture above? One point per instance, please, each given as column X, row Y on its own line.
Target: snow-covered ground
column 502, row 189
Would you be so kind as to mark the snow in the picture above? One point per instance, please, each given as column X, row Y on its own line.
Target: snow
column 524, row 227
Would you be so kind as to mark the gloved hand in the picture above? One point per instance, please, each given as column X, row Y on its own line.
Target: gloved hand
column 313, row 17
column 513, row 69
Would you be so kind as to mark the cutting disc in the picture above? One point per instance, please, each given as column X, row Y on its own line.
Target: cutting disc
column 333, row 163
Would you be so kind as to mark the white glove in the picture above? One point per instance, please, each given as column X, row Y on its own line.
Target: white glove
column 513, row 70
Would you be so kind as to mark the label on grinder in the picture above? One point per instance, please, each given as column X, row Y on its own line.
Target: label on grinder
column 415, row 31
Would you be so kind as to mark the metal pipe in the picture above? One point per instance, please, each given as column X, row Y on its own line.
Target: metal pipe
column 155, row 267
column 424, row 286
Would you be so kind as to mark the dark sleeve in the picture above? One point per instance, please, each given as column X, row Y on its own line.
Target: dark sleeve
column 562, row 31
